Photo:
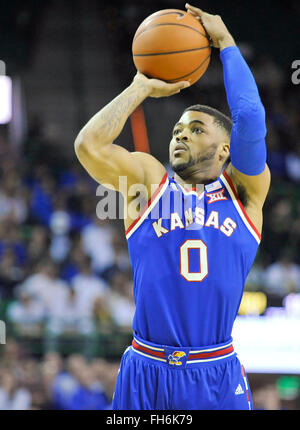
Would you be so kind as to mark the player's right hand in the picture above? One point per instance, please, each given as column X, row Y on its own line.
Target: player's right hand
column 158, row 88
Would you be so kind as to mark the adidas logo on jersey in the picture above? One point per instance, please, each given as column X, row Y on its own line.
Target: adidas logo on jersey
column 239, row 390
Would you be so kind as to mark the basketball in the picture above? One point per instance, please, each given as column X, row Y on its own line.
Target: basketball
column 171, row 45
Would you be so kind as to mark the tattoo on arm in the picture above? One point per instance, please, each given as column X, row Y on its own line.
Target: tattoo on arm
column 115, row 114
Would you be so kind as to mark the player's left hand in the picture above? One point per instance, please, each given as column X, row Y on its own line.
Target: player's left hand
column 214, row 26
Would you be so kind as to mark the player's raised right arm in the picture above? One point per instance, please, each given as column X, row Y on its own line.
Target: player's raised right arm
column 94, row 147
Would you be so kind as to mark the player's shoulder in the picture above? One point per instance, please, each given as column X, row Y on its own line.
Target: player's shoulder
column 154, row 170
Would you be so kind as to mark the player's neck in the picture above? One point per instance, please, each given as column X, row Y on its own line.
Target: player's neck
column 198, row 179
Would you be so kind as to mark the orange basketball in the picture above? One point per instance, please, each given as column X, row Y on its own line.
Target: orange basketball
column 171, row 45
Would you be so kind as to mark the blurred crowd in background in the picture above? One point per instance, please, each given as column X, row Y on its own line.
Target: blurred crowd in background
column 52, row 382
column 65, row 272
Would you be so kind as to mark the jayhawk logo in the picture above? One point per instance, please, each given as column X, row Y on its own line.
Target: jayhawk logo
column 175, row 357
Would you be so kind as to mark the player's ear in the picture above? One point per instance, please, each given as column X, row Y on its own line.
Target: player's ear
column 224, row 151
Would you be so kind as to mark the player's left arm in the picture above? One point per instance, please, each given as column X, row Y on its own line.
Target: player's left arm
column 248, row 153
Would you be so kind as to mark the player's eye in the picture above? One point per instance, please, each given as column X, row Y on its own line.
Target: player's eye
column 176, row 131
column 197, row 130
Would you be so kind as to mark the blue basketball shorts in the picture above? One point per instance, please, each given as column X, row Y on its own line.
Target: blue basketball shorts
column 159, row 377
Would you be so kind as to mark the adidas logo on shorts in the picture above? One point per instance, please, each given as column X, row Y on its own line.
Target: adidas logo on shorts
column 239, row 390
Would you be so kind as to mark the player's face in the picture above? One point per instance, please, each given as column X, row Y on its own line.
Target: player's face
column 197, row 143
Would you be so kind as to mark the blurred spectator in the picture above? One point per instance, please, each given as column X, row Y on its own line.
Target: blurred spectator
column 38, row 243
column 97, row 243
column 13, row 397
column 70, row 317
column 43, row 191
column 11, row 354
column 90, row 393
column 10, row 274
column 106, row 372
column 283, row 276
column 71, row 266
column 121, row 260
column 77, row 388
column 27, row 314
column 13, row 203
column 88, row 288
column 60, row 226
column 75, row 312
column 11, row 238
column 46, row 286
column 121, row 301
column 64, row 384
column 102, row 315
column 51, row 366
column 30, row 375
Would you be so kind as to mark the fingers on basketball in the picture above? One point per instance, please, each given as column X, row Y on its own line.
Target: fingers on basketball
column 198, row 13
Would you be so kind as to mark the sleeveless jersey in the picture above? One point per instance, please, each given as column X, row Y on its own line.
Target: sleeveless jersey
column 190, row 255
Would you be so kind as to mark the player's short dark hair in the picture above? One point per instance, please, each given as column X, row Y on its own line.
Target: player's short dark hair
column 220, row 119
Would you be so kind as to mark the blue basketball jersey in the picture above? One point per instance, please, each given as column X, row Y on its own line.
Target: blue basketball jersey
column 190, row 254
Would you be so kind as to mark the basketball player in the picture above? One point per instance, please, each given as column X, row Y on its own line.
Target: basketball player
column 190, row 261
